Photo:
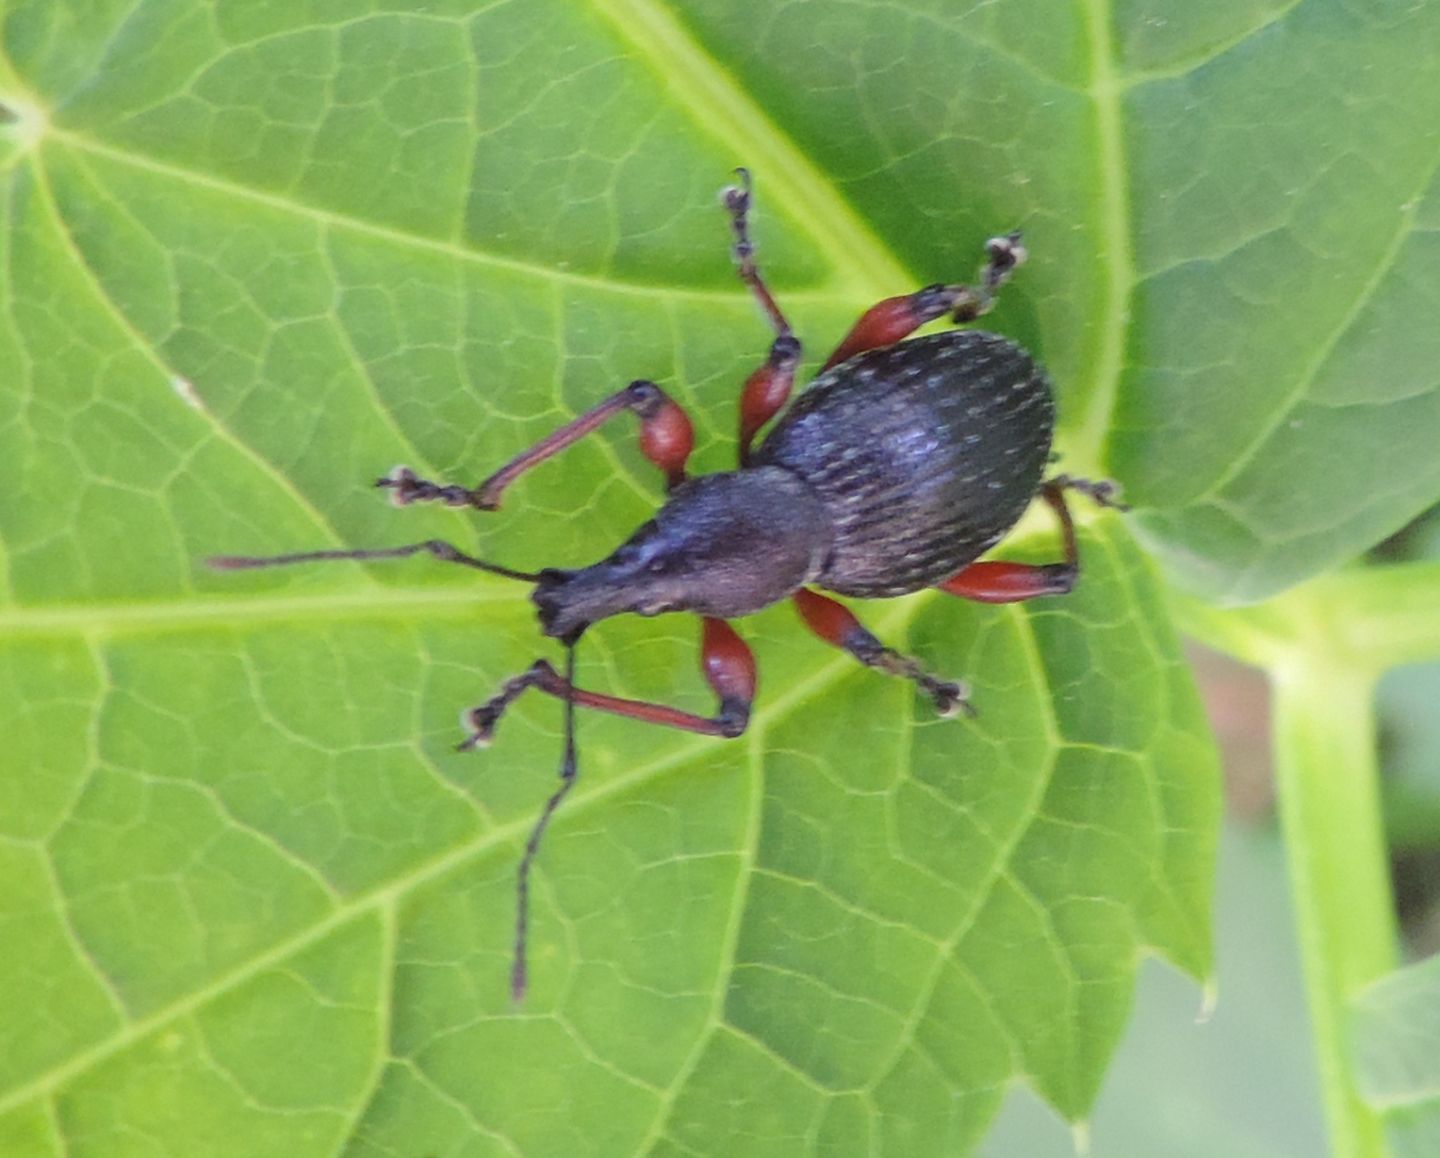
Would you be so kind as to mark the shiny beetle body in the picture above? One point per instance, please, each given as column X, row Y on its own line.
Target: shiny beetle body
column 922, row 454
column 889, row 474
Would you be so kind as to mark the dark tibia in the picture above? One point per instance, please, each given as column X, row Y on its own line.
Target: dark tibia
column 736, row 199
column 666, row 439
column 834, row 623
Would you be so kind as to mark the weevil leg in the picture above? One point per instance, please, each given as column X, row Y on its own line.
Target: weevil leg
column 725, row 659
column 768, row 388
column 666, row 439
column 1102, row 492
column 887, row 322
column 729, row 669
column 736, row 199
column 997, row 582
column 834, row 623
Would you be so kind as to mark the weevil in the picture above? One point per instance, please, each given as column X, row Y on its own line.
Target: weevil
column 899, row 466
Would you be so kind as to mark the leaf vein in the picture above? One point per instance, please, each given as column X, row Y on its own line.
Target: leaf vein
column 1385, row 262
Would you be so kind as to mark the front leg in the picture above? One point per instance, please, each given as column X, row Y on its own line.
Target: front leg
column 666, row 439
column 729, row 669
column 725, row 659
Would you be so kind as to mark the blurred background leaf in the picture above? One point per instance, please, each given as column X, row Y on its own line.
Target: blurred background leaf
column 1396, row 1023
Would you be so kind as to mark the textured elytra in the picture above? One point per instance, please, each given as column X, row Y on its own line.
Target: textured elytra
column 923, row 454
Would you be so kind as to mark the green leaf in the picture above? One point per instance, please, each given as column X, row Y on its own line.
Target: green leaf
column 253, row 256
column 1280, row 402
column 1233, row 209
column 1394, row 1031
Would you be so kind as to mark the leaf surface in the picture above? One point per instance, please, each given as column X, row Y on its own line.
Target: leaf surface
column 1233, row 209
column 254, row 256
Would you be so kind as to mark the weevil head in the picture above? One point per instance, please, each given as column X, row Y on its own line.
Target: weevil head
column 561, row 614
column 724, row 545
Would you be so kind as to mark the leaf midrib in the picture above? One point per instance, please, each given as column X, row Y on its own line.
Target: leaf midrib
column 590, row 793
column 865, row 267
column 1115, row 256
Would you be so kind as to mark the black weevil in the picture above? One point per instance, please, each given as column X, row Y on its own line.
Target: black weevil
column 900, row 465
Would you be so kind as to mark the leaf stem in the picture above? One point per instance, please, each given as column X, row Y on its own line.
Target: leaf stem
column 1386, row 614
column 1376, row 617
column 1330, row 812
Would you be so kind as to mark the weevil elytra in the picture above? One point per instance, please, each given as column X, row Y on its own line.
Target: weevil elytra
column 894, row 471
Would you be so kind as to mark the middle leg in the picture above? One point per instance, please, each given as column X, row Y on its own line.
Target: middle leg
column 834, row 623
column 725, row 659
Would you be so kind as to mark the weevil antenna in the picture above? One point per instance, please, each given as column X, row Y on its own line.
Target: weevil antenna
column 568, row 772
column 445, row 552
